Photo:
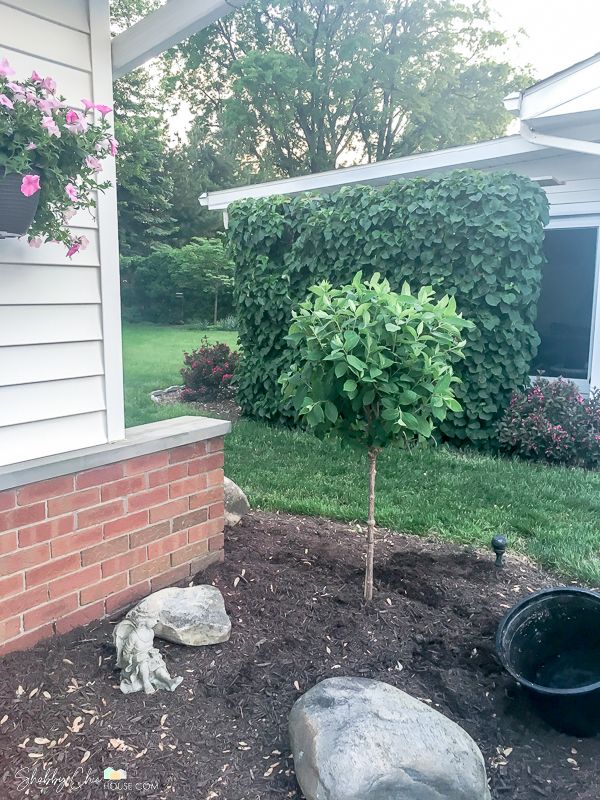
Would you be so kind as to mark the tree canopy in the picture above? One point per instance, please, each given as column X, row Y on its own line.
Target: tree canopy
column 309, row 85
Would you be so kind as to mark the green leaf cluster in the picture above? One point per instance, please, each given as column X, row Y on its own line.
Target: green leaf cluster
column 373, row 367
column 474, row 236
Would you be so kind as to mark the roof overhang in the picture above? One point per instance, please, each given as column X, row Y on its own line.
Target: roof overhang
column 170, row 24
column 493, row 154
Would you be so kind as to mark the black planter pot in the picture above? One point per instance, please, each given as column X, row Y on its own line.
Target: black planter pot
column 550, row 643
column 16, row 210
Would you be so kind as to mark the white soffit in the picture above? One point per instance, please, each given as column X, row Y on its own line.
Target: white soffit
column 576, row 89
column 170, row 24
column 483, row 155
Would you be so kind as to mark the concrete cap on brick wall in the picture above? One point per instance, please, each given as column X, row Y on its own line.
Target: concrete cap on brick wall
column 139, row 441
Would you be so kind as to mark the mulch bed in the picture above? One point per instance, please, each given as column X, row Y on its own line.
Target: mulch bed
column 292, row 587
column 217, row 409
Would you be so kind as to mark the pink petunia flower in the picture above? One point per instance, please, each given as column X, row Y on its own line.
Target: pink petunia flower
column 113, row 145
column 88, row 105
column 50, row 125
column 35, row 242
column 104, row 110
column 84, row 243
column 71, row 192
column 5, row 68
column 30, row 184
column 49, row 85
column 68, row 214
column 79, row 126
column 16, row 87
column 73, row 249
column 31, row 99
column 93, row 163
column 31, row 146
column 5, row 101
column 35, row 77
column 45, row 107
column 72, row 116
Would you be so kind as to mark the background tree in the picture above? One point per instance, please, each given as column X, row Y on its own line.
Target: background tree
column 374, row 368
column 151, row 286
column 311, row 84
column 144, row 186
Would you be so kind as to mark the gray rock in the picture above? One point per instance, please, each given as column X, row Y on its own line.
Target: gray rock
column 170, row 395
column 194, row 615
column 359, row 739
column 236, row 503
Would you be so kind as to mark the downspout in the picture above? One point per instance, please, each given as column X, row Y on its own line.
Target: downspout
column 559, row 142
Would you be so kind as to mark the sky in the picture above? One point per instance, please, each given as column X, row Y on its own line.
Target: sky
column 561, row 32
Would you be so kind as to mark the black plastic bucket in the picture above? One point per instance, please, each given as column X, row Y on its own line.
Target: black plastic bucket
column 550, row 642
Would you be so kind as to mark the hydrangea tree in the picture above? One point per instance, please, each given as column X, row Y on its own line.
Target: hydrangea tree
column 374, row 368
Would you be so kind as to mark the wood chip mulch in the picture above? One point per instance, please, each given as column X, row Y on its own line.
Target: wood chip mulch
column 292, row 586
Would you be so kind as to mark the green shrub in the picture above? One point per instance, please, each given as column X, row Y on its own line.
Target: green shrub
column 550, row 421
column 374, row 368
column 475, row 236
column 150, row 285
column 208, row 372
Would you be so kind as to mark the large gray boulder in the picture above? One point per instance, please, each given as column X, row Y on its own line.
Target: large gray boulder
column 194, row 615
column 359, row 739
column 236, row 503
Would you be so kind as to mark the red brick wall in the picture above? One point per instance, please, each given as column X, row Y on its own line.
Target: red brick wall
column 80, row 547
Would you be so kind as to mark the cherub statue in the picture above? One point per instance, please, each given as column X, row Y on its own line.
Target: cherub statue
column 141, row 664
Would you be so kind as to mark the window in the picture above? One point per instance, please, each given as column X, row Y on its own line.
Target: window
column 566, row 304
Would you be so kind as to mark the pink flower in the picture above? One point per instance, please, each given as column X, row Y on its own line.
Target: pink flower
column 5, row 68
column 104, row 110
column 31, row 146
column 49, row 85
column 72, row 116
column 31, row 99
column 68, row 214
column 51, row 126
column 71, row 192
column 30, row 184
column 79, row 125
column 4, row 101
column 113, row 145
column 35, row 77
column 16, row 87
column 45, row 106
column 88, row 105
column 73, row 249
column 35, row 242
column 93, row 163
column 84, row 243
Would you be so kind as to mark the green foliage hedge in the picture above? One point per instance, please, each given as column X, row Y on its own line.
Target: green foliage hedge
column 150, row 284
column 477, row 236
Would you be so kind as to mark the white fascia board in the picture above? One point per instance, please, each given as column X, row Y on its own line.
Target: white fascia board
column 580, row 82
column 482, row 155
column 170, row 24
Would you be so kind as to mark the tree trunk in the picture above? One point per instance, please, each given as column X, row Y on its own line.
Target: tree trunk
column 215, row 314
column 373, row 453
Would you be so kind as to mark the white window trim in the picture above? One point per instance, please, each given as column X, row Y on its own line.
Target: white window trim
column 593, row 380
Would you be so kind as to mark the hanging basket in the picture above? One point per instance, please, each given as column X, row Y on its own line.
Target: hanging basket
column 16, row 210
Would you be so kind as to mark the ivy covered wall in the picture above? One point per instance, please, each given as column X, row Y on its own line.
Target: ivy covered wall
column 475, row 235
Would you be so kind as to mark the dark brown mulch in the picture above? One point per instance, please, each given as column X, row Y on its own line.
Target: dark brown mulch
column 218, row 409
column 293, row 587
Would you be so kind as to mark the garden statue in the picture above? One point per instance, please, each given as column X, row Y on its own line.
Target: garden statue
column 141, row 664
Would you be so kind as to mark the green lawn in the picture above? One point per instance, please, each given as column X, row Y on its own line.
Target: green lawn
column 152, row 358
column 551, row 514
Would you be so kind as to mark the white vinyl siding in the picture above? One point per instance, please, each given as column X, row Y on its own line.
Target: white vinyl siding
column 49, row 437
column 46, row 362
column 59, row 317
